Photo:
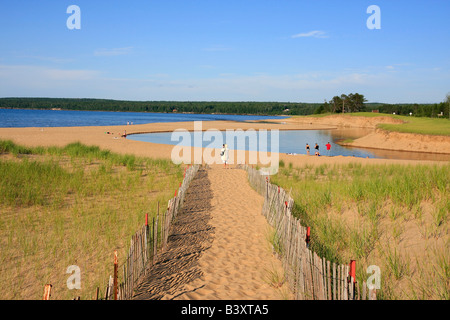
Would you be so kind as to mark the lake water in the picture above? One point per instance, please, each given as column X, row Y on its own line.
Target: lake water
column 289, row 142
column 19, row 118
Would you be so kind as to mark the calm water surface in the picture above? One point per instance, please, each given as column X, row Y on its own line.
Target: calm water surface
column 290, row 142
column 18, row 118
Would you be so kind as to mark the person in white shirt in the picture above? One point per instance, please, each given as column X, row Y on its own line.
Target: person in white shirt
column 224, row 155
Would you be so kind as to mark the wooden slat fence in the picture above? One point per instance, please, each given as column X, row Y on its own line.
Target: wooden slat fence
column 145, row 245
column 310, row 277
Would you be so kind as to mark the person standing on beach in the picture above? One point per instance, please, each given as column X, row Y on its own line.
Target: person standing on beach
column 317, row 149
column 307, row 149
column 224, row 155
column 328, row 145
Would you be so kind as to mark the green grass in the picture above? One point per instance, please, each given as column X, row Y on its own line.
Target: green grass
column 430, row 126
column 419, row 125
column 7, row 146
column 349, row 206
column 73, row 205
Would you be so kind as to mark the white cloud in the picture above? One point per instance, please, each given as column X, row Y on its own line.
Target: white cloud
column 112, row 52
column 314, row 34
column 30, row 74
column 45, row 81
column 377, row 85
column 20, row 80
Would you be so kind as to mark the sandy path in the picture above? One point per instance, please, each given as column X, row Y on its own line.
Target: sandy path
column 239, row 263
column 218, row 249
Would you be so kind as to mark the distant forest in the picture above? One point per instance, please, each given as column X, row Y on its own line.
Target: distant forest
column 205, row 107
column 209, row 107
column 418, row 110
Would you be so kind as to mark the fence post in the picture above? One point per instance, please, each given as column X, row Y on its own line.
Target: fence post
column 372, row 294
column 346, row 282
column 47, row 291
column 329, row 280
column 155, row 238
column 116, row 266
column 334, row 282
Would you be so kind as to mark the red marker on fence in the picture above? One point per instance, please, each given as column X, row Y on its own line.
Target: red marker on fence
column 352, row 272
column 308, row 234
column 286, row 204
column 278, row 189
column 176, row 192
column 146, row 219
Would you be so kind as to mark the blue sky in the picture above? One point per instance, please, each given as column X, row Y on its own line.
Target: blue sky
column 207, row 50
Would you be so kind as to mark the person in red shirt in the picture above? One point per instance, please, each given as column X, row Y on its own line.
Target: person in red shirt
column 328, row 145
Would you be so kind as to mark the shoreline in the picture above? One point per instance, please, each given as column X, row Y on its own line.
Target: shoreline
column 382, row 139
column 97, row 135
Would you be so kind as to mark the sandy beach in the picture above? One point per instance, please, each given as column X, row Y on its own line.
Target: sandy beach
column 109, row 137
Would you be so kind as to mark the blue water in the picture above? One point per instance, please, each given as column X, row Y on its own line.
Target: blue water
column 292, row 141
column 19, row 118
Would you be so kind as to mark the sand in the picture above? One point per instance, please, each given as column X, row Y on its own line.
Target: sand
column 404, row 142
column 218, row 248
column 240, row 263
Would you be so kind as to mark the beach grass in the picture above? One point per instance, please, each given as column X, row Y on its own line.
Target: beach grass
column 386, row 215
column 72, row 205
column 419, row 125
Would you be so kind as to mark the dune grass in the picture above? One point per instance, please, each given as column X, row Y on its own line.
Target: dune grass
column 419, row 125
column 387, row 215
column 72, row 206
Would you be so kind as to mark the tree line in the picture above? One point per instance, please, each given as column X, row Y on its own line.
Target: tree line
column 355, row 102
column 417, row 110
column 344, row 103
column 206, row 107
